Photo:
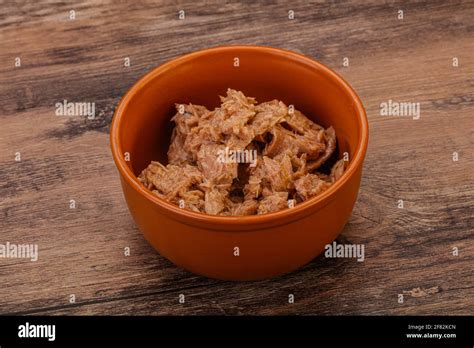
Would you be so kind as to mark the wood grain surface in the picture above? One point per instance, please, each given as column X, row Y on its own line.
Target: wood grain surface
column 408, row 251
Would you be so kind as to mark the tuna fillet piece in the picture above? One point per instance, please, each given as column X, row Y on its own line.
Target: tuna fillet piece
column 330, row 142
column 172, row 180
column 310, row 185
column 274, row 202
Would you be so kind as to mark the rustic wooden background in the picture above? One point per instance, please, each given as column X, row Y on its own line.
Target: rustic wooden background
column 81, row 251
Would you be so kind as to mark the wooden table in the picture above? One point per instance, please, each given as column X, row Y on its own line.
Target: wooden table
column 409, row 251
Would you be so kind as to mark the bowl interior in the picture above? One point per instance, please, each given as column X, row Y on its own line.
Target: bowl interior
column 265, row 74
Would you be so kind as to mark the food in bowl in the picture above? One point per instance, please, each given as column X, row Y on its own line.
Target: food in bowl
column 268, row 244
column 243, row 158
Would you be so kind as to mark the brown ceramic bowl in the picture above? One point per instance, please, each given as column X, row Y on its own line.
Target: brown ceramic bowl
column 269, row 244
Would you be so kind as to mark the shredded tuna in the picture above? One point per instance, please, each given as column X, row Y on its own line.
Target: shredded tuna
column 329, row 139
column 310, row 185
column 287, row 157
column 247, row 207
column 274, row 202
column 214, row 202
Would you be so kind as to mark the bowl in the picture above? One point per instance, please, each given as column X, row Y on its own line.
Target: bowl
column 247, row 247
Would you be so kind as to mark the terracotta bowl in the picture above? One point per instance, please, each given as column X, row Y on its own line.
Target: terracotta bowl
column 268, row 245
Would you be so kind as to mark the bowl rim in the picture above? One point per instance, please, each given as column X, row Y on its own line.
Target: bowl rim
column 191, row 216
